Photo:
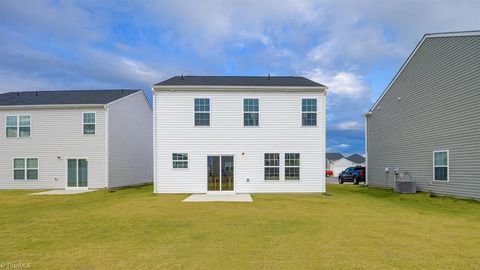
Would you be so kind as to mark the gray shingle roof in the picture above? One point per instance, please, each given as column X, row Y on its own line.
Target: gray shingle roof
column 356, row 158
column 63, row 97
column 334, row 156
column 239, row 81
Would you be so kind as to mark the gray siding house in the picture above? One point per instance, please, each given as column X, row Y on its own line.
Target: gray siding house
column 75, row 139
column 427, row 121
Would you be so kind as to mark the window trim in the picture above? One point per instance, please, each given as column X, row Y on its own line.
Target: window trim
column 25, row 169
column 206, row 112
column 279, row 167
column 306, row 112
column 83, row 124
column 285, row 167
column 180, row 160
column 257, row 112
column 437, row 166
column 18, row 126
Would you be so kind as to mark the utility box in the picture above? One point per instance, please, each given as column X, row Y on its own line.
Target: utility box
column 406, row 187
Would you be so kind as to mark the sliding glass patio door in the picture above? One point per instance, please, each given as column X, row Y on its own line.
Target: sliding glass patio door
column 77, row 173
column 220, row 173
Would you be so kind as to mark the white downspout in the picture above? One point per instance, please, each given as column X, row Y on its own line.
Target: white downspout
column 107, row 156
column 324, row 139
column 365, row 116
column 154, row 143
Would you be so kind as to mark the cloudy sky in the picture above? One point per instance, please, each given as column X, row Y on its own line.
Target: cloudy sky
column 354, row 47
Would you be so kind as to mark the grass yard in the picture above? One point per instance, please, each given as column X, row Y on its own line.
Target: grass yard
column 353, row 227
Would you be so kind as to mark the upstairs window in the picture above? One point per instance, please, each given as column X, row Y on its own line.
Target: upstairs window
column 292, row 166
column 89, row 123
column 180, row 160
column 250, row 112
column 25, row 169
column 18, row 126
column 202, row 112
column 309, row 112
column 272, row 166
column 440, row 166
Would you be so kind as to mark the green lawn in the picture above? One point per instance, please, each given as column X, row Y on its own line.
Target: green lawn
column 351, row 227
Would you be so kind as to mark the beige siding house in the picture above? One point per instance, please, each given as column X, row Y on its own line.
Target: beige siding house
column 239, row 135
column 75, row 139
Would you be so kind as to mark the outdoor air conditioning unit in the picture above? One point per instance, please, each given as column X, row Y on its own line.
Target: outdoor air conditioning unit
column 404, row 185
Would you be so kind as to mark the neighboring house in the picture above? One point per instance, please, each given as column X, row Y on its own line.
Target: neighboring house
column 75, row 139
column 357, row 159
column 239, row 134
column 427, row 121
column 337, row 163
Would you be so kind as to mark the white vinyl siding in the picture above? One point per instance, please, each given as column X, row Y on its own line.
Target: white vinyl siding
column 125, row 159
column 18, row 126
column 57, row 135
column 179, row 160
column 440, row 166
column 25, row 169
column 130, row 142
column 280, row 131
column 339, row 165
column 89, row 123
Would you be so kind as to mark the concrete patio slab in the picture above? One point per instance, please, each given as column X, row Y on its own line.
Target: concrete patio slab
column 62, row 192
column 219, row 198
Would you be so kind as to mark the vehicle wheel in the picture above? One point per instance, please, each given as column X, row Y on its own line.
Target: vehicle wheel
column 340, row 180
column 355, row 181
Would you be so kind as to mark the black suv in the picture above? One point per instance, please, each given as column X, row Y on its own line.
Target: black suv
column 352, row 174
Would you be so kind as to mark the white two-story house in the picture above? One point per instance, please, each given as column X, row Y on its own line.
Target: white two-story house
column 239, row 135
column 75, row 139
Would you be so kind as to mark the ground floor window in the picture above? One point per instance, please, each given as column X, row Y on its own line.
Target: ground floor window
column 272, row 166
column 292, row 166
column 180, row 160
column 25, row 168
column 440, row 165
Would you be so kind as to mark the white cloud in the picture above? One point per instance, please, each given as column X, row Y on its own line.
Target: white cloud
column 215, row 24
column 343, row 83
column 349, row 125
column 322, row 53
column 344, row 145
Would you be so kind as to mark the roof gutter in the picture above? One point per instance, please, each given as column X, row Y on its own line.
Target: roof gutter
column 236, row 88
column 51, row 106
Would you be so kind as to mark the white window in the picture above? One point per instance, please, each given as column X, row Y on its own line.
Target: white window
column 292, row 166
column 89, row 123
column 202, row 112
column 18, row 125
column 25, row 169
column 250, row 112
column 180, row 160
column 440, row 165
column 309, row 112
column 272, row 166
